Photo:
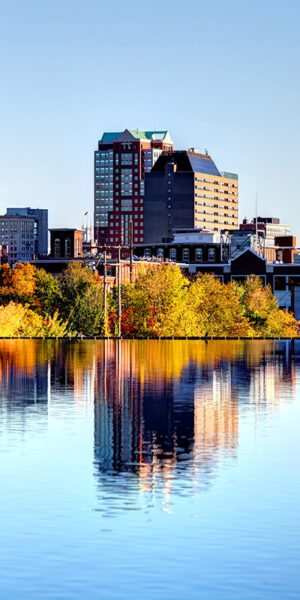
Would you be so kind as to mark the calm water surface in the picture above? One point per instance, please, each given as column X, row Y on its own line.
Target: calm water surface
column 151, row 469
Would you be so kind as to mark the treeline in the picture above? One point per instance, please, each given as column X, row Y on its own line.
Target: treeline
column 161, row 303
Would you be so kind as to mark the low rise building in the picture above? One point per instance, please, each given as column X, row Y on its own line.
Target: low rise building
column 188, row 246
column 18, row 234
column 65, row 243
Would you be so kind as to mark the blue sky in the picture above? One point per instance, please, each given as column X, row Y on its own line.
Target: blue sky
column 219, row 75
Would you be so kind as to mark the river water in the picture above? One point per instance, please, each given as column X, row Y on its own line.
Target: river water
column 149, row 469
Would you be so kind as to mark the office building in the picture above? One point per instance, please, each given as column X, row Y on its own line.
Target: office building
column 18, row 234
column 185, row 189
column 40, row 228
column 121, row 163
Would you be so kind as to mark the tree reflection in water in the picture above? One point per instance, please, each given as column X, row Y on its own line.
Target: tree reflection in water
column 164, row 411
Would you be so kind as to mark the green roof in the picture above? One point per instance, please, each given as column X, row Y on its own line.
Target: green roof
column 110, row 136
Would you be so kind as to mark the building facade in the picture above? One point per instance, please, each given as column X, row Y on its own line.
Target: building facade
column 18, row 234
column 201, row 246
column 185, row 189
column 121, row 162
column 65, row 243
column 41, row 226
column 188, row 246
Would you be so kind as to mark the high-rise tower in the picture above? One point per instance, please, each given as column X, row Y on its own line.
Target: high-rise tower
column 121, row 162
column 186, row 190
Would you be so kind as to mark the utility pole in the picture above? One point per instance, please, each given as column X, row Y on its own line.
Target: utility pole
column 131, row 249
column 119, row 294
column 256, row 225
column 105, row 295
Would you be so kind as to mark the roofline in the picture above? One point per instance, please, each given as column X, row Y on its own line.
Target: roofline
column 248, row 250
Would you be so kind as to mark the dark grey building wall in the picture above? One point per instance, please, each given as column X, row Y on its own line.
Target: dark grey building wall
column 169, row 203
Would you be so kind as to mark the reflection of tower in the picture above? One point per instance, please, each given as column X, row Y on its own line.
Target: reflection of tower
column 273, row 378
column 216, row 412
column 117, row 410
column 19, row 385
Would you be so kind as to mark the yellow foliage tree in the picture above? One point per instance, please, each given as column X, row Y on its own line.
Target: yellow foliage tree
column 262, row 310
column 17, row 320
column 23, row 281
column 156, row 304
column 217, row 308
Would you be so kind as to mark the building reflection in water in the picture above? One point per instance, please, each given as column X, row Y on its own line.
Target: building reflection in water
column 170, row 409
column 162, row 409
column 23, row 379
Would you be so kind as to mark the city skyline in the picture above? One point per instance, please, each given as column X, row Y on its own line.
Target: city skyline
column 234, row 92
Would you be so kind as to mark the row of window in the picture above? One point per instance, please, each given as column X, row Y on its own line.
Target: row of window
column 212, row 182
column 136, row 239
column 215, row 197
column 183, row 254
column 224, row 206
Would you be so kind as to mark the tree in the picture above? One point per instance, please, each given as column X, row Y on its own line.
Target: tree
column 5, row 281
column 23, row 282
column 81, row 301
column 217, row 308
column 17, row 320
column 47, row 293
column 155, row 304
column 263, row 312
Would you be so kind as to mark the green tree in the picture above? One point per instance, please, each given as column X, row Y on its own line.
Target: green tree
column 81, row 301
column 47, row 295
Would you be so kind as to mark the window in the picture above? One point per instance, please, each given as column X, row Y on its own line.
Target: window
column 57, row 248
column 172, row 254
column 279, row 283
column 160, row 252
column 147, row 253
column 198, row 254
column 185, row 254
column 211, row 254
column 67, row 247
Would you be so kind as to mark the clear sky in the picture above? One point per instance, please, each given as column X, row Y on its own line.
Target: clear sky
column 221, row 75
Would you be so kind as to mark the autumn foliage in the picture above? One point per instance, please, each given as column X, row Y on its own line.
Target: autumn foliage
column 161, row 303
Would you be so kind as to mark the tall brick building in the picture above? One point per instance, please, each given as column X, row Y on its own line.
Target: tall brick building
column 121, row 162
